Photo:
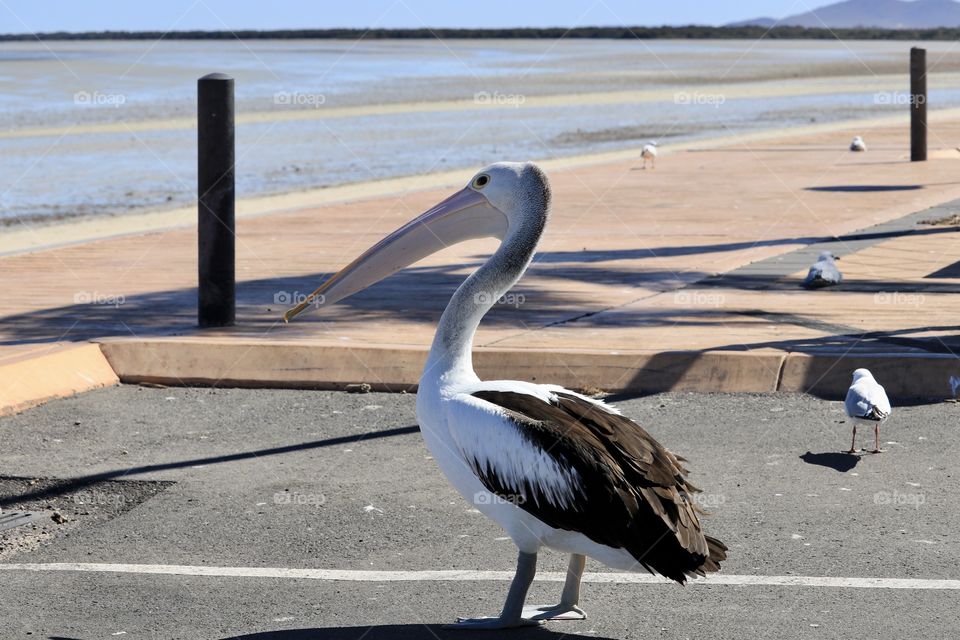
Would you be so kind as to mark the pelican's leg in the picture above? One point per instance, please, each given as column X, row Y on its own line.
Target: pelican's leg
column 853, row 443
column 876, row 438
column 567, row 609
column 512, row 614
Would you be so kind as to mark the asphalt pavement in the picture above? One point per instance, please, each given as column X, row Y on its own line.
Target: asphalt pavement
column 233, row 482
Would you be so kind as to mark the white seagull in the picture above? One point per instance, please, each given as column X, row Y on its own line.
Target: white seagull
column 649, row 152
column 866, row 403
column 554, row 468
column 823, row 272
column 858, row 144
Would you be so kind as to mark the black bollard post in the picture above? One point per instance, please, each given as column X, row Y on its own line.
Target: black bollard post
column 918, row 104
column 216, row 298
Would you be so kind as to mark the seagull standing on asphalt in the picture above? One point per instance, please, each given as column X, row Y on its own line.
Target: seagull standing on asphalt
column 824, row 272
column 858, row 144
column 866, row 403
column 649, row 152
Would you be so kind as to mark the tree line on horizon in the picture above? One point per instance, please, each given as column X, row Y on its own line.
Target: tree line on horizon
column 691, row 32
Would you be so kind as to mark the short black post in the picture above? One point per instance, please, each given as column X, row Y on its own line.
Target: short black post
column 216, row 299
column 918, row 104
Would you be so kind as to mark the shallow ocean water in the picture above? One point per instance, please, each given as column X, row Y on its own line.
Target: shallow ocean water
column 69, row 145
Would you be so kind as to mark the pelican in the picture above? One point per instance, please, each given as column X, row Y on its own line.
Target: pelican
column 857, row 144
column 649, row 152
column 824, row 272
column 553, row 467
column 866, row 403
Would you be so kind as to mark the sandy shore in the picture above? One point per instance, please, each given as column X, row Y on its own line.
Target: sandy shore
column 41, row 237
column 678, row 95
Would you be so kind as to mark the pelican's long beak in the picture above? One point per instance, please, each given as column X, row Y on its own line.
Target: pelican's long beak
column 463, row 216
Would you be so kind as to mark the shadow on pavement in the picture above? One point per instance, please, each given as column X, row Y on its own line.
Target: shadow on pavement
column 418, row 294
column 408, row 631
column 639, row 253
column 71, row 485
column 835, row 460
column 862, row 188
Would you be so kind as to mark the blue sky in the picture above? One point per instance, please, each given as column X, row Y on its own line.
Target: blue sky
column 24, row 16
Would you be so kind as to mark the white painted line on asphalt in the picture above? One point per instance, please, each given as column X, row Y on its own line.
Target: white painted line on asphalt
column 472, row 576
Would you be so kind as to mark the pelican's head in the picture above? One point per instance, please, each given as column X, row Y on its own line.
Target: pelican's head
column 501, row 200
column 861, row 374
column 517, row 190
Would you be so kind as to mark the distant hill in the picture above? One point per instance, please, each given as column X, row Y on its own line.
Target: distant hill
column 755, row 22
column 877, row 14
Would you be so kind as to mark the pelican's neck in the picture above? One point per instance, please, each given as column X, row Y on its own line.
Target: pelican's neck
column 451, row 354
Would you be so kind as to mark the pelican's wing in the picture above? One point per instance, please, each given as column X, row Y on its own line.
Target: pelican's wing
column 576, row 465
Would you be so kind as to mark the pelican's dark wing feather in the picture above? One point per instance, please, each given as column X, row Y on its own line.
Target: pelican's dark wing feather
column 633, row 493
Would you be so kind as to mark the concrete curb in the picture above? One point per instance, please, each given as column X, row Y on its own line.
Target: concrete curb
column 905, row 376
column 306, row 365
column 52, row 371
column 56, row 371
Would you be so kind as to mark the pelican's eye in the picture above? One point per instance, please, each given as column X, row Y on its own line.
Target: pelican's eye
column 481, row 181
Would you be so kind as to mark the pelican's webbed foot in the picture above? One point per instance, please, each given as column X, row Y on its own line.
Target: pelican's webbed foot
column 512, row 614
